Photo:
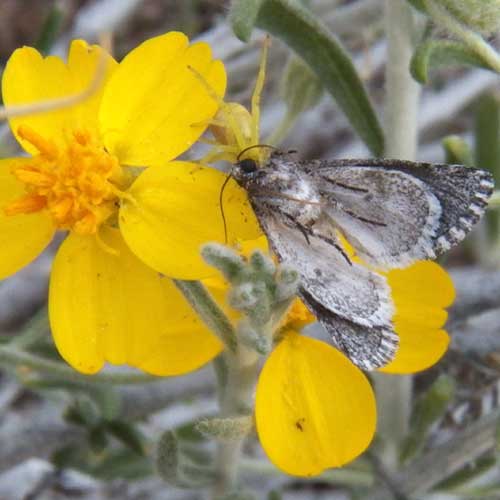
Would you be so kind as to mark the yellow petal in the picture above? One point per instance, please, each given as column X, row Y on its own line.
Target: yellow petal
column 248, row 247
column 420, row 293
column 112, row 308
column 22, row 237
column 314, row 409
column 418, row 350
column 83, row 62
column 176, row 211
column 155, row 107
column 424, row 282
column 30, row 78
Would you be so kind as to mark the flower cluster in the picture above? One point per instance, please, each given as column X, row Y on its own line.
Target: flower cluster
column 104, row 171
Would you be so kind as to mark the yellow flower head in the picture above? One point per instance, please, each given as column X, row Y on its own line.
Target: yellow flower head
column 87, row 174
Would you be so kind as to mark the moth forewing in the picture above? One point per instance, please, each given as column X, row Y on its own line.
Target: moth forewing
column 395, row 212
column 391, row 212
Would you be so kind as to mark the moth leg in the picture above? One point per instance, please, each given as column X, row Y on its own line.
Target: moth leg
column 334, row 244
column 306, row 231
column 309, row 232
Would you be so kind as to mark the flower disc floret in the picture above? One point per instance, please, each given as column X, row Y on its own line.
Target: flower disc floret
column 78, row 184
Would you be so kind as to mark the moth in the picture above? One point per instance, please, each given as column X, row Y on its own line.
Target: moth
column 391, row 212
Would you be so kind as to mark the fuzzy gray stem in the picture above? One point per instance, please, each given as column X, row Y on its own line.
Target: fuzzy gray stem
column 208, row 310
column 402, row 95
column 236, row 399
column 402, row 92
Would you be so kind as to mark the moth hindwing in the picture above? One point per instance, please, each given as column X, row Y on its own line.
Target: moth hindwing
column 391, row 212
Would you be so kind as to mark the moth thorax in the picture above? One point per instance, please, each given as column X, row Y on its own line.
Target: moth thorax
column 302, row 202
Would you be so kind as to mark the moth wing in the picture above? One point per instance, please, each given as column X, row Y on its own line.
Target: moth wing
column 395, row 212
column 352, row 302
column 369, row 347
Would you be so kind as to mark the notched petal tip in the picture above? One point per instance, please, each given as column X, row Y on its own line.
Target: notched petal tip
column 421, row 292
column 155, row 106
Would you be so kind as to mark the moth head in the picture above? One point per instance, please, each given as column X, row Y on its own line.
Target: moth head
column 247, row 166
column 245, row 170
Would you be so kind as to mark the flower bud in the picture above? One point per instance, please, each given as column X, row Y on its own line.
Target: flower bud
column 245, row 296
column 223, row 258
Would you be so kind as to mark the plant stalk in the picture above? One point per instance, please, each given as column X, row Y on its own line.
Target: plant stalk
column 236, row 398
column 402, row 97
column 208, row 310
column 21, row 359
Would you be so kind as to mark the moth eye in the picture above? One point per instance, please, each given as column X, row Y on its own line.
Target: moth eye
column 248, row 165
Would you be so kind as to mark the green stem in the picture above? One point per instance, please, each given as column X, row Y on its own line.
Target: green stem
column 208, row 310
column 402, row 96
column 11, row 356
column 346, row 475
column 473, row 40
column 236, row 399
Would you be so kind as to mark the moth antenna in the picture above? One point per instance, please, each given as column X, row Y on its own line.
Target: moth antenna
column 60, row 102
column 240, row 154
column 221, row 194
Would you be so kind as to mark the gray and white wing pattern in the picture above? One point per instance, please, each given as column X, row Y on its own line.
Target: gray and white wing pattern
column 352, row 302
column 367, row 347
column 392, row 212
column 395, row 212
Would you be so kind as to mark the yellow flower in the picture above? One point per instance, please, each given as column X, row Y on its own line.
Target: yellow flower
column 126, row 223
column 314, row 409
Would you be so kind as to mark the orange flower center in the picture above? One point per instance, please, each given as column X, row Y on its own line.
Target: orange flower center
column 298, row 316
column 79, row 183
